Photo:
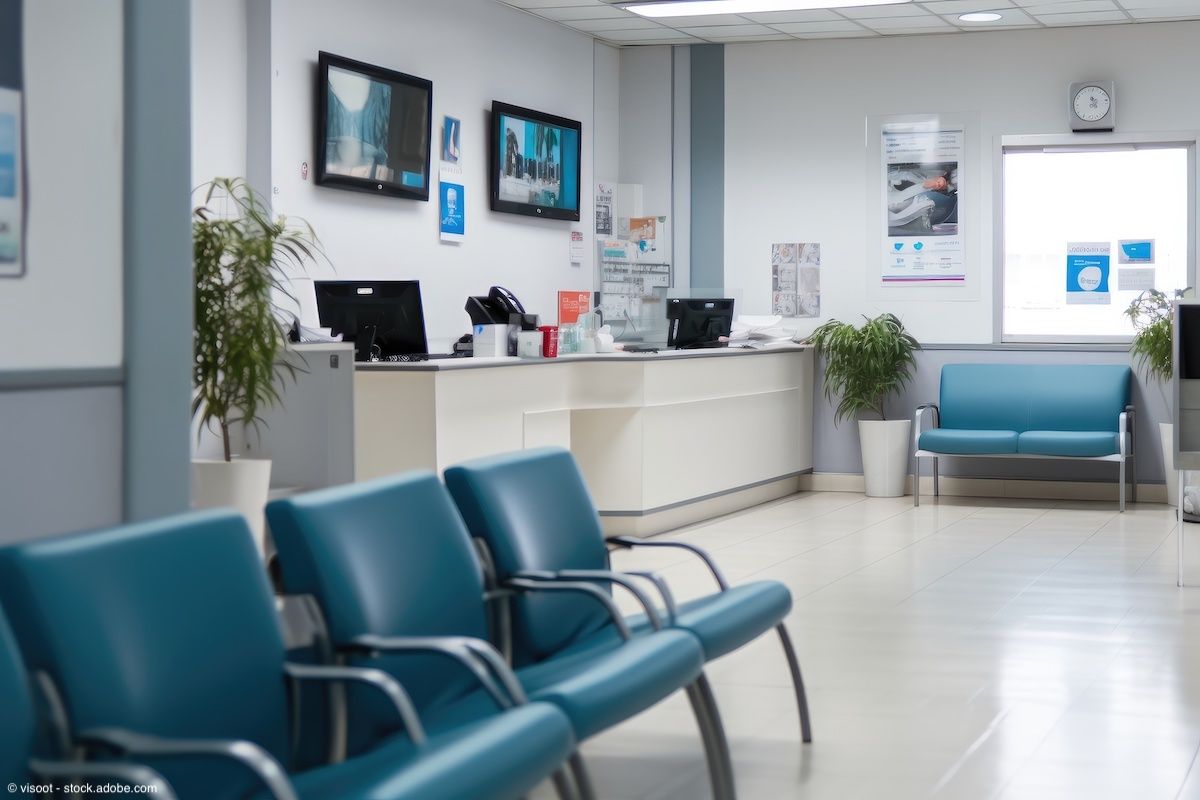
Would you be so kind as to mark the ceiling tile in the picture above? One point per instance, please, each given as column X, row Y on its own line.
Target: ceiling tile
column 702, row 20
column 540, row 4
column 800, row 28
column 591, row 11
column 1162, row 13
column 773, row 17
column 661, row 34
column 719, row 31
column 626, row 23
column 1183, row 6
column 946, row 7
column 861, row 33
column 1070, row 7
column 775, row 37
column 1089, row 18
column 1008, row 18
column 927, row 22
column 878, row 12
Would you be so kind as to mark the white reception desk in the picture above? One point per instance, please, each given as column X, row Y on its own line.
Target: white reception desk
column 663, row 439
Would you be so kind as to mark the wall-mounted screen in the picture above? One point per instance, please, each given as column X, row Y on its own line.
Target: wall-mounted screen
column 373, row 128
column 535, row 163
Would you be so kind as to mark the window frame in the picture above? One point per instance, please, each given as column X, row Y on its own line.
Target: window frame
column 1074, row 142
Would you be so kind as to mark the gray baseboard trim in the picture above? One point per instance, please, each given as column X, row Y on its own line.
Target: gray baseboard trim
column 18, row 380
column 1098, row 347
column 671, row 506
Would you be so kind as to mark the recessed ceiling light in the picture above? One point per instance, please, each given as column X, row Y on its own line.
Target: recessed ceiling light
column 691, row 8
column 979, row 16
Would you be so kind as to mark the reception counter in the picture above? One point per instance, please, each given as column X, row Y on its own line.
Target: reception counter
column 663, row 439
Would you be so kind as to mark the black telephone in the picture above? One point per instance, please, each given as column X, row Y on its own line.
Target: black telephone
column 495, row 309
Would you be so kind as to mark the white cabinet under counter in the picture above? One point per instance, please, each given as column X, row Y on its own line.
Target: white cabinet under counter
column 663, row 439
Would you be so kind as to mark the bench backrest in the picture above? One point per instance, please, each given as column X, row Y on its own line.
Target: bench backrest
column 1034, row 397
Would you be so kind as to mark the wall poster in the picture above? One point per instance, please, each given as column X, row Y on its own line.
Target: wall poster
column 1088, row 265
column 12, row 145
column 796, row 279
column 922, row 172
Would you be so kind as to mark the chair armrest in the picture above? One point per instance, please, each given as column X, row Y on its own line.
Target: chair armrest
column 601, row 576
column 525, row 585
column 128, row 774
column 1124, row 428
column 918, row 418
column 463, row 649
column 375, row 678
column 631, row 542
column 660, row 583
column 248, row 754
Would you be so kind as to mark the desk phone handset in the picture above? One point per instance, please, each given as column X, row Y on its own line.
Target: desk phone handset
column 502, row 298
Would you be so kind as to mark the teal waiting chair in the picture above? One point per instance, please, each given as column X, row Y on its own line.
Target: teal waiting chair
column 534, row 515
column 160, row 642
column 395, row 573
column 18, row 727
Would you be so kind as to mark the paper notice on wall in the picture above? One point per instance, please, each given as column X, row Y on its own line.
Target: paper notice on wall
column 12, row 224
column 573, row 304
column 922, row 180
column 453, row 211
column 796, row 279
column 1088, row 273
column 1135, row 279
column 1135, row 251
column 604, row 209
column 576, row 247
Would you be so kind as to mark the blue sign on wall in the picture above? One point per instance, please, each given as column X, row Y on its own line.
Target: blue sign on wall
column 453, row 212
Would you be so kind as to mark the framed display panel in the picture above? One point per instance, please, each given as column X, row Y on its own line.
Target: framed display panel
column 535, row 163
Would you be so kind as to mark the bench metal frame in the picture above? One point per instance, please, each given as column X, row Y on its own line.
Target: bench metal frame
column 1125, row 455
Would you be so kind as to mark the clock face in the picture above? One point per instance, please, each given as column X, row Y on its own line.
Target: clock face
column 1091, row 103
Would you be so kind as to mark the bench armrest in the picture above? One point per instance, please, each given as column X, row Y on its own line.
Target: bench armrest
column 630, row 542
column 919, row 416
column 376, row 679
column 600, row 576
column 476, row 655
column 524, row 586
column 131, row 775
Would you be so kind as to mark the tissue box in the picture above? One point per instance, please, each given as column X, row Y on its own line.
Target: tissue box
column 490, row 340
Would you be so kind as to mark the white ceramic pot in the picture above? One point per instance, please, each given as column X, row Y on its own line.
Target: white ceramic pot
column 885, row 455
column 1166, row 432
column 242, row 484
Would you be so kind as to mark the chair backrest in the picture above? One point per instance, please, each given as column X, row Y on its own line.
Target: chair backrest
column 533, row 510
column 389, row 557
column 1034, row 397
column 16, row 719
column 165, row 627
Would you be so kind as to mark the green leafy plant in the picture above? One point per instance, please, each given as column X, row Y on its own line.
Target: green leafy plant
column 864, row 365
column 1151, row 349
column 241, row 254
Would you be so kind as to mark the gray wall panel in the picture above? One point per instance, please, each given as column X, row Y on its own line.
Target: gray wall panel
column 835, row 449
column 60, row 461
column 708, row 166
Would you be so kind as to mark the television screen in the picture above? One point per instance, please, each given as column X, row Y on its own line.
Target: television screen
column 535, row 163
column 373, row 128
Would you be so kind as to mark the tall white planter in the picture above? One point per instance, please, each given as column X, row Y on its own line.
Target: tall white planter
column 1166, row 432
column 885, row 455
column 242, row 484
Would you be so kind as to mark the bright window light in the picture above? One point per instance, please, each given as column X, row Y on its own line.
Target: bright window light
column 980, row 16
column 691, row 8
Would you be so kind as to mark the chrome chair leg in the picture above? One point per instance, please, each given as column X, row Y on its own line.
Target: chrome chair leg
column 797, row 682
column 563, row 787
column 583, row 781
column 716, row 747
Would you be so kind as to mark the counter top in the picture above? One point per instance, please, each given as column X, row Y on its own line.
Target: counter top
column 440, row 364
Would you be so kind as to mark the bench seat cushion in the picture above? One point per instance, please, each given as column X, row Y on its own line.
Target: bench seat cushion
column 968, row 442
column 1068, row 443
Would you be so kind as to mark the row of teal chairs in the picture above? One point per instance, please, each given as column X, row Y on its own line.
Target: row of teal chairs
column 469, row 641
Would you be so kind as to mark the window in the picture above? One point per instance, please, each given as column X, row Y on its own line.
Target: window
column 1104, row 199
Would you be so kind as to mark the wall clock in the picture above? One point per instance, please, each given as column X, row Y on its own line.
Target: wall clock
column 1092, row 106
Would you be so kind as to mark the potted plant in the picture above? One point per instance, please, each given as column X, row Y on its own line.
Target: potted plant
column 863, row 366
column 240, row 254
column 1152, row 352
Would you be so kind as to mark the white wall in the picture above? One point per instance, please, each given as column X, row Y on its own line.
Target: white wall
column 218, row 89
column 606, row 143
column 646, row 125
column 474, row 51
column 67, row 310
column 796, row 166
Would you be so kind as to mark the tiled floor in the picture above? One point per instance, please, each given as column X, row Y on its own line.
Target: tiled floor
column 970, row 649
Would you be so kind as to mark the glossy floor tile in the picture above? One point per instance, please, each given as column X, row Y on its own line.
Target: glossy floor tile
column 966, row 649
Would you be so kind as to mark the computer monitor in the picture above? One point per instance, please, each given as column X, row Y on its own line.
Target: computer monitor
column 382, row 318
column 698, row 322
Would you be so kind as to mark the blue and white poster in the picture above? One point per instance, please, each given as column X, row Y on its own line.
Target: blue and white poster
column 1088, row 266
column 453, row 212
column 12, row 178
column 1135, row 251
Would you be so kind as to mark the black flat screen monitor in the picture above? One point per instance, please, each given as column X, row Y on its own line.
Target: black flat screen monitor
column 535, row 163
column 373, row 128
column 382, row 318
column 698, row 322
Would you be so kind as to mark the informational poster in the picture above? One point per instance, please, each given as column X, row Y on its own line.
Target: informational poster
column 796, row 279
column 922, row 173
column 643, row 231
column 1135, row 251
column 12, row 148
column 1088, row 273
column 453, row 211
column 572, row 305
column 451, row 140
column 604, row 209
column 576, row 250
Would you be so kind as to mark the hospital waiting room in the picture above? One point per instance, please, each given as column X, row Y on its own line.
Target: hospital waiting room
column 599, row 399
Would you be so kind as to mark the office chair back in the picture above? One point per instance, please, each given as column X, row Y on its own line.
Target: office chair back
column 533, row 510
column 165, row 627
column 16, row 721
column 389, row 557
